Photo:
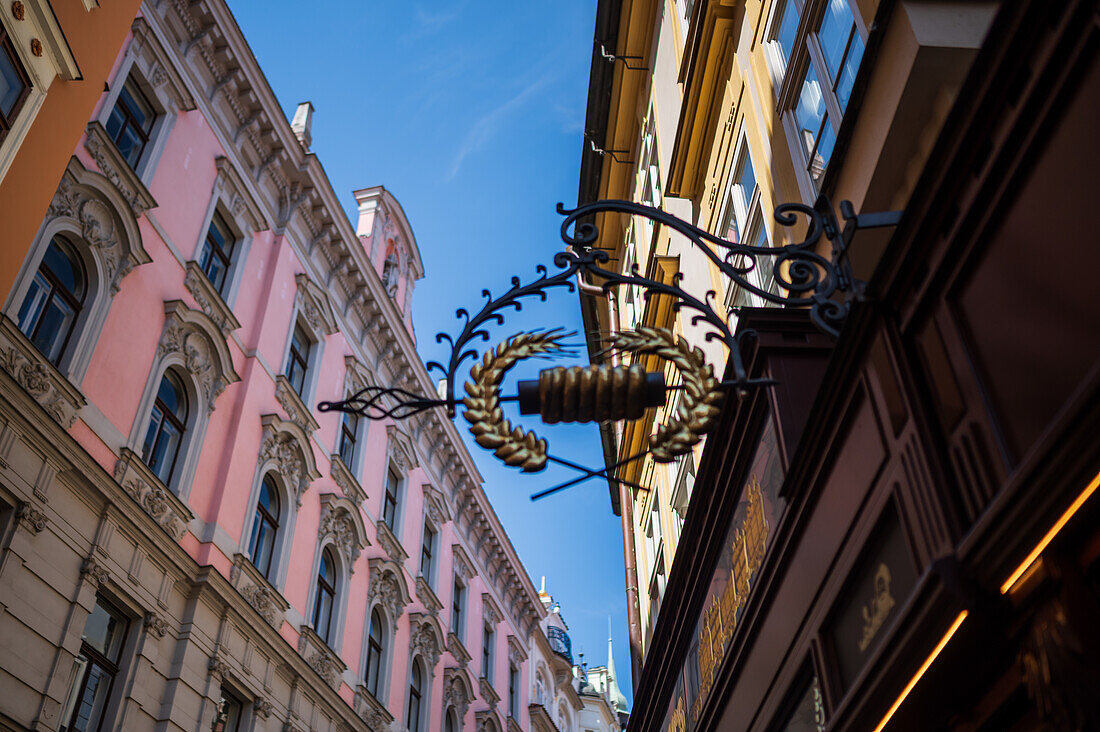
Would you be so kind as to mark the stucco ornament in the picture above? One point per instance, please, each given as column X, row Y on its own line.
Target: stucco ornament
column 385, row 589
column 94, row 572
column 31, row 517
column 337, row 522
column 455, row 692
column 192, row 338
column 423, row 640
column 37, row 378
column 101, row 151
column 283, row 452
column 314, row 306
column 261, row 599
column 390, row 544
column 262, row 707
column 371, row 711
column 156, row 625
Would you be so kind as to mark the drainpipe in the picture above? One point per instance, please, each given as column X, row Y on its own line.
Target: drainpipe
column 626, row 511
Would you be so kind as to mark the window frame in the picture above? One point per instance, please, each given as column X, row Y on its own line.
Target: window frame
column 9, row 121
column 262, row 514
column 380, row 648
column 488, row 639
column 392, row 518
column 77, row 304
column 429, row 540
column 806, row 53
column 415, row 722
column 296, row 359
column 182, row 425
column 94, row 656
column 346, row 437
column 328, row 637
column 210, row 247
column 458, row 600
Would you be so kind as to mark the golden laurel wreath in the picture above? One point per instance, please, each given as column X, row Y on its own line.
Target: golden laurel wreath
column 490, row 429
column 698, row 407
column 694, row 415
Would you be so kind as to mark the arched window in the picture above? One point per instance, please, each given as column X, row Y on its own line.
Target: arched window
column 326, row 596
column 375, row 649
column 52, row 305
column 265, row 527
column 416, row 693
column 451, row 722
column 167, row 424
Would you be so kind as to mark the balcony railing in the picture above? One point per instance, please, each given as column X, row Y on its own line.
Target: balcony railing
column 560, row 643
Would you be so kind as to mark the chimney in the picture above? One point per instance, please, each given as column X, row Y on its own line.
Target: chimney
column 303, row 119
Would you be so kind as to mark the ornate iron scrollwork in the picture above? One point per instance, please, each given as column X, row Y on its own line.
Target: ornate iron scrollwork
column 822, row 284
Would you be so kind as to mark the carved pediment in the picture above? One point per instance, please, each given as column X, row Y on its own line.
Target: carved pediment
column 427, row 596
column 91, row 205
column 400, row 449
column 390, row 544
column 517, row 654
column 425, row 638
column 115, row 169
column 371, row 711
column 313, row 305
column 344, row 478
column 454, row 645
column 456, row 691
column 387, row 586
column 209, row 299
column 285, row 448
column 489, row 610
column 296, row 410
column 340, row 521
column 232, row 188
column 462, row 564
column 162, row 72
column 435, row 505
column 193, row 340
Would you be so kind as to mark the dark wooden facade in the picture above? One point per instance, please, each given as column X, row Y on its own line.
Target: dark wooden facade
column 871, row 510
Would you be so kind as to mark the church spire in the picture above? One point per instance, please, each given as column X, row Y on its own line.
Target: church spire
column 614, row 693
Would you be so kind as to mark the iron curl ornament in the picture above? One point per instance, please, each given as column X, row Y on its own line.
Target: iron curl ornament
column 809, row 274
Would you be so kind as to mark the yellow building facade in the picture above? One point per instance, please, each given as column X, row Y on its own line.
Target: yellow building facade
column 717, row 112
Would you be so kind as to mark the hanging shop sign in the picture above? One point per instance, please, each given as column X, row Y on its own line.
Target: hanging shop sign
column 821, row 283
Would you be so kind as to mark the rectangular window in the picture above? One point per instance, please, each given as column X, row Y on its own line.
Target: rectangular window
column 513, row 689
column 131, row 122
column 349, row 429
column 217, row 252
column 426, row 553
column 15, row 84
column 229, row 713
column 96, row 668
column 297, row 361
column 487, row 653
column 389, row 501
column 827, row 56
column 457, row 602
column 744, row 223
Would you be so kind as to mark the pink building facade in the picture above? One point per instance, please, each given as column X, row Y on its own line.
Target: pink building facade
column 187, row 542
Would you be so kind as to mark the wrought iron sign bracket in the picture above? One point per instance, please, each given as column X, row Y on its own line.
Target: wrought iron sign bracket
column 823, row 285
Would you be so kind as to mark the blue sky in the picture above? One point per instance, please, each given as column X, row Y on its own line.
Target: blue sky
column 471, row 114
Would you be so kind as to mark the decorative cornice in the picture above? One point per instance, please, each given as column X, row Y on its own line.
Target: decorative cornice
column 513, row 725
column 257, row 591
column 155, row 624
column 209, row 299
column 296, row 410
column 341, row 521
column 149, row 493
column 320, row 657
column 389, row 543
column 31, row 517
column 488, row 694
column 427, row 597
column 196, row 339
column 285, row 447
column 37, row 376
column 115, row 169
column 344, row 478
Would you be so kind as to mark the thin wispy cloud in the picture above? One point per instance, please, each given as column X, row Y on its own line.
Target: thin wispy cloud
column 486, row 126
column 429, row 22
